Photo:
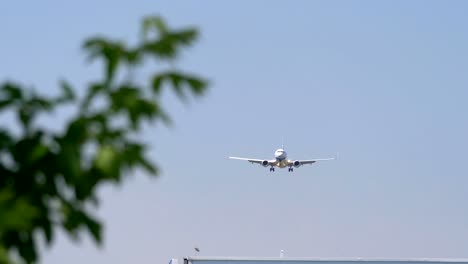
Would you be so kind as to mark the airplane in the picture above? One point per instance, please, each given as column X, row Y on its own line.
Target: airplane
column 281, row 161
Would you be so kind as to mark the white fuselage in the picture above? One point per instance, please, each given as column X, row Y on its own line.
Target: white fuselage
column 281, row 158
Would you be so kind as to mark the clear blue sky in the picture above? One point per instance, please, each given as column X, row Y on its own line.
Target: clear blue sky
column 385, row 83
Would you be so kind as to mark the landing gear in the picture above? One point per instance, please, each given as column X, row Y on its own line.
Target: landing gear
column 272, row 169
column 290, row 169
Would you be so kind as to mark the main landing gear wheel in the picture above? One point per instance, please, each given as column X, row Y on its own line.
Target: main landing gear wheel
column 272, row 169
column 290, row 169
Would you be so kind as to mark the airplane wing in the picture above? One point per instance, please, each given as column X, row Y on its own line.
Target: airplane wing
column 258, row 161
column 303, row 162
column 311, row 161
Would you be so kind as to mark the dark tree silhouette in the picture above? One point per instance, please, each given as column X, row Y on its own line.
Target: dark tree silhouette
column 48, row 179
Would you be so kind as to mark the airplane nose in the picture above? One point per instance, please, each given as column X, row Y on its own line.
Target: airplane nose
column 279, row 154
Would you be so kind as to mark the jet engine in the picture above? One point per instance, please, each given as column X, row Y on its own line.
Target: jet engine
column 265, row 163
column 297, row 164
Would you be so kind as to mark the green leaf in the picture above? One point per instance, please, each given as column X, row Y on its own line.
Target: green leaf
column 70, row 162
column 94, row 46
column 5, row 139
column 113, row 59
column 27, row 248
column 198, row 85
column 111, row 52
column 47, row 230
column 77, row 131
column 148, row 166
column 11, row 92
column 157, row 83
column 4, row 258
column 68, row 94
column 93, row 90
column 179, row 80
column 108, row 162
column 124, row 98
column 162, row 49
column 38, row 152
column 17, row 212
column 132, row 154
column 165, row 117
column 176, row 80
column 75, row 218
column 185, row 37
column 128, row 99
column 29, row 109
column 39, row 103
column 23, row 148
column 132, row 56
column 85, row 185
column 5, row 103
column 67, row 89
column 153, row 23
column 94, row 228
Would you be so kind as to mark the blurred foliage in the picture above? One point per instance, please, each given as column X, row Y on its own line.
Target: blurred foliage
column 48, row 180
